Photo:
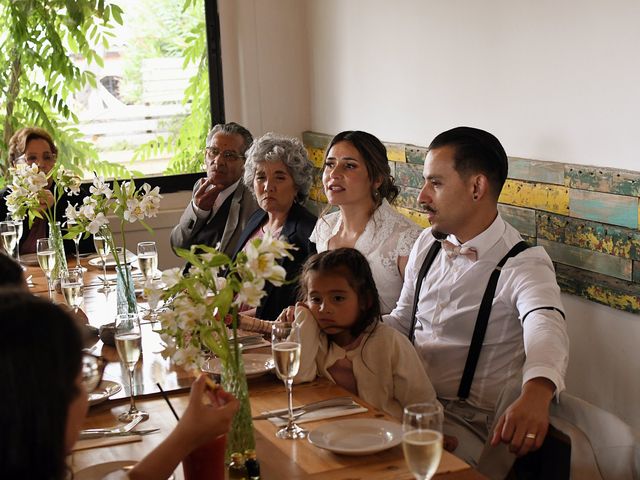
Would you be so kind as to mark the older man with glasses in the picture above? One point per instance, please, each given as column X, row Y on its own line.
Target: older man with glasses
column 221, row 204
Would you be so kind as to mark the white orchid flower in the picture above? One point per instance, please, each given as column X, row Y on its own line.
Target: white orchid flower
column 172, row 276
column 250, row 293
column 95, row 224
column 99, row 187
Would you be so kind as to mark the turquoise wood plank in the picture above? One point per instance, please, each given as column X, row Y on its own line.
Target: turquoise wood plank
column 606, row 180
column 316, row 140
column 408, row 175
column 536, row 171
column 604, row 207
column 588, row 260
column 522, row 219
column 408, row 198
column 415, row 154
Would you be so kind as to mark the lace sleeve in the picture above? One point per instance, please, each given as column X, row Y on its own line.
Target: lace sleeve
column 407, row 237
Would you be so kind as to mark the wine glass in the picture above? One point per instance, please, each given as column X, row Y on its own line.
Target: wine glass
column 19, row 228
column 148, row 259
column 152, row 292
column 422, row 438
column 76, row 241
column 9, row 236
column 71, row 282
column 102, row 247
column 47, row 259
column 285, row 345
column 129, row 344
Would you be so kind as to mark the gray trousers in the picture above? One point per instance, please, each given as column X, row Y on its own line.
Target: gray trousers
column 473, row 427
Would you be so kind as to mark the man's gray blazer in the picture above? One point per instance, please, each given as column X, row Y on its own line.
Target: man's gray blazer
column 193, row 230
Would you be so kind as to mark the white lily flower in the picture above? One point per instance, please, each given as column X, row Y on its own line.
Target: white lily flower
column 70, row 212
column 99, row 187
column 172, row 276
column 250, row 293
column 95, row 224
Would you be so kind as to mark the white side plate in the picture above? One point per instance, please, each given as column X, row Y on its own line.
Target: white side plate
column 104, row 391
column 255, row 364
column 361, row 436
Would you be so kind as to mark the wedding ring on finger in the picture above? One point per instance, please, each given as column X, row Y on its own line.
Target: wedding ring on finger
column 532, row 436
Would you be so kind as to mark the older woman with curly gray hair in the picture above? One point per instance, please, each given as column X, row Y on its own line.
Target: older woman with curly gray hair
column 279, row 173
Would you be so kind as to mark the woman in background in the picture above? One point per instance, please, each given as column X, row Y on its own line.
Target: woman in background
column 34, row 145
column 356, row 178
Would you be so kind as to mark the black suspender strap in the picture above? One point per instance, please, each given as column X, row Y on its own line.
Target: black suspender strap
column 481, row 323
column 426, row 264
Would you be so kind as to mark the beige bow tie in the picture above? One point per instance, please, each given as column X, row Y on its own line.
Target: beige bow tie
column 453, row 251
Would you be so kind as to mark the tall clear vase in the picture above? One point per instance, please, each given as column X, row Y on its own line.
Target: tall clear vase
column 234, row 380
column 126, row 293
column 55, row 235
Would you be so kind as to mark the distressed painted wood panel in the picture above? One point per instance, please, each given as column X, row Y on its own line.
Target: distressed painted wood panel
column 603, row 289
column 415, row 154
column 636, row 271
column 409, row 175
column 394, row 171
column 550, row 198
column 610, row 239
column 395, row 152
column 418, row 217
column 408, row 198
column 316, row 155
column 522, row 219
column 316, row 140
column 604, row 207
column 536, row 171
column 606, row 180
column 588, row 260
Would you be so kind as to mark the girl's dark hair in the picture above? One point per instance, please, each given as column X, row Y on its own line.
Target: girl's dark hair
column 375, row 158
column 40, row 359
column 354, row 267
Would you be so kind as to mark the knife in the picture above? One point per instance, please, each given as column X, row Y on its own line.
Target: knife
column 88, row 435
column 332, row 402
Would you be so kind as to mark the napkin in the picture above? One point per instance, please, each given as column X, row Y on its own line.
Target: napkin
column 105, row 442
column 331, row 412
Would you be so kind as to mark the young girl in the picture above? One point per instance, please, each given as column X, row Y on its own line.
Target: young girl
column 344, row 341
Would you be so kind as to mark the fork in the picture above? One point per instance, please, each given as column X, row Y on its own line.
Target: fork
column 123, row 429
column 301, row 412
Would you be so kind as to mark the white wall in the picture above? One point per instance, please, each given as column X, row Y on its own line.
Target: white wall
column 553, row 80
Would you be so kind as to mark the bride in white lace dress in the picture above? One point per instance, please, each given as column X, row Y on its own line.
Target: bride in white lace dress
column 356, row 178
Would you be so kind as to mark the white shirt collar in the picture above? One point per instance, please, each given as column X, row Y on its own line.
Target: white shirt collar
column 224, row 194
column 485, row 240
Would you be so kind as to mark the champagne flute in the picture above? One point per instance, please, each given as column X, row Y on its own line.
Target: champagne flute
column 102, row 247
column 285, row 345
column 148, row 259
column 129, row 345
column 76, row 241
column 9, row 236
column 422, row 438
column 47, row 259
column 19, row 228
column 152, row 292
column 71, row 282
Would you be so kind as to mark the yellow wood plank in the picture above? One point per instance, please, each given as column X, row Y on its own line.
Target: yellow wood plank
column 542, row 196
column 316, row 155
column 395, row 152
column 418, row 217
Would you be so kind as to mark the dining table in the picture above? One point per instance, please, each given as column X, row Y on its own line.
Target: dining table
column 279, row 459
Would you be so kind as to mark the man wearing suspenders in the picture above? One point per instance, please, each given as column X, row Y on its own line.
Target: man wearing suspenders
column 481, row 308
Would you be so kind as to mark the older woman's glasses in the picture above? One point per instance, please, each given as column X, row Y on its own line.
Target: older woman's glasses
column 210, row 154
column 92, row 370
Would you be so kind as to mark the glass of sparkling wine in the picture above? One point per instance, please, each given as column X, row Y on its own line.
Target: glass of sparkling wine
column 422, row 438
column 76, row 241
column 9, row 236
column 102, row 247
column 71, row 282
column 129, row 344
column 285, row 345
column 148, row 259
column 47, row 259
column 19, row 227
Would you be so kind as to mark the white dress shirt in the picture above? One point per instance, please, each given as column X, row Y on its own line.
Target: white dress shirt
column 448, row 306
column 222, row 196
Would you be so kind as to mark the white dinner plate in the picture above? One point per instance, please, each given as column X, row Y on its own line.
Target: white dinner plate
column 96, row 261
column 362, row 436
column 103, row 391
column 255, row 364
column 103, row 470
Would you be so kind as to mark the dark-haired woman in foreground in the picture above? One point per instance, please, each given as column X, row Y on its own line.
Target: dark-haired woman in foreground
column 46, row 377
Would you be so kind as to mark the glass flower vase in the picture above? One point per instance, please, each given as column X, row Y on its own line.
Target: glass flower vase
column 234, row 381
column 125, row 290
column 55, row 235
